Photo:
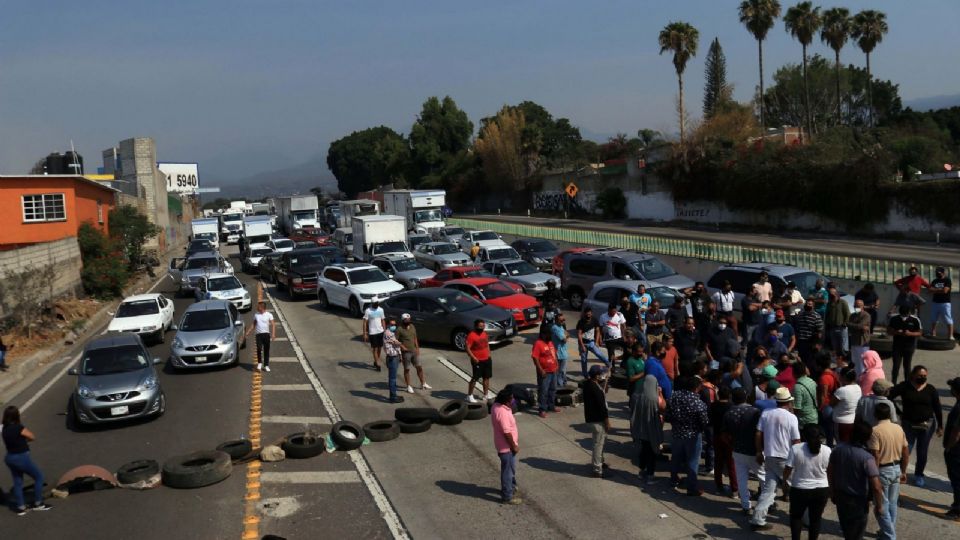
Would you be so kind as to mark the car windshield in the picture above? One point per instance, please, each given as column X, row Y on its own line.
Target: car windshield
column 258, row 239
column 259, row 252
column 458, row 301
column 138, row 308
column 806, row 281
column 223, row 284
column 653, row 269
column 502, row 253
column 389, row 247
column 485, row 235
column 201, row 321
column 114, row 360
column 304, row 244
column 453, row 231
column 201, row 262
column 444, row 249
column 307, row 258
column 199, row 245
column 496, row 290
column 417, row 240
column 406, row 265
column 665, row 295
column 520, row 268
column 421, row 216
column 542, row 245
column 477, row 272
column 206, row 236
column 284, row 243
column 304, row 214
column 230, row 218
column 367, row 275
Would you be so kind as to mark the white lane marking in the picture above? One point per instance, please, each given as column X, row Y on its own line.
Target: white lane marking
column 281, row 338
column 296, row 419
column 311, row 477
column 286, row 387
column 284, row 360
column 383, row 503
column 66, row 368
column 464, row 375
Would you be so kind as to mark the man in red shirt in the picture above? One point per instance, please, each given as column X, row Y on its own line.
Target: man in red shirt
column 826, row 385
column 544, row 356
column 912, row 283
column 478, row 349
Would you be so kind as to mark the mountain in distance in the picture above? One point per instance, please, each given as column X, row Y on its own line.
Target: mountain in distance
column 296, row 180
column 933, row 102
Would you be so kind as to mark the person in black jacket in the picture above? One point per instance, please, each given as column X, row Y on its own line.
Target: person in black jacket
column 596, row 414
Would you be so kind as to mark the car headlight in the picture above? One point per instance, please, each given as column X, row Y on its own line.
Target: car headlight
column 366, row 296
column 177, row 343
column 151, row 328
column 246, row 295
column 225, row 338
column 84, row 392
column 538, row 260
column 149, row 383
column 297, row 280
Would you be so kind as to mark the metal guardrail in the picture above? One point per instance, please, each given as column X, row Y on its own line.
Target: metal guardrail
column 835, row 266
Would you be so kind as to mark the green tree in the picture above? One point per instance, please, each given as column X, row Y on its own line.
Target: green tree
column 869, row 26
column 368, row 159
column 130, row 229
column 649, row 137
column 716, row 91
column 439, row 140
column 835, row 31
column 217, row 203
column 759, row 17
column 681, row 39
column 502, row 153
column 547, row 142
column 802, row 21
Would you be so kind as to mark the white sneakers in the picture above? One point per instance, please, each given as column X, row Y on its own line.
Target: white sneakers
column 267, row 369
column 471, row 399
column 410, row 389
column 426, row 386
column 259, row 366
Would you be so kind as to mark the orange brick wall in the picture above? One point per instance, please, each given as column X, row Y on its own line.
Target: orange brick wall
column 80, row 201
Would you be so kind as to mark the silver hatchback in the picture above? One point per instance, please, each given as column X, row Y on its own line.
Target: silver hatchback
column 210, row 333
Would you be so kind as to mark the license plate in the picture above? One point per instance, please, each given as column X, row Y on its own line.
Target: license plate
column 509, row 331
column 200, row 359
column 119, row 411
column 531, row 315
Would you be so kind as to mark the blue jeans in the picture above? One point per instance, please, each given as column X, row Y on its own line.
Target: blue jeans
column 839, row 340
column 19, row 465
column 828, row 426
column 561, row 372
column 773, row 475
column 921, row 439
column 393, row 362
column 3, row 355
column 508, row 475
column 887, row 516
column 686, row 456
column 590, row 346
column 547, row 391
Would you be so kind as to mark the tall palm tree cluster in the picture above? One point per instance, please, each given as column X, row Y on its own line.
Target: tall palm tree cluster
column 803, row 22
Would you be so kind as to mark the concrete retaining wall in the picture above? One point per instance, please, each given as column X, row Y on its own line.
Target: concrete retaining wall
column 63, row 254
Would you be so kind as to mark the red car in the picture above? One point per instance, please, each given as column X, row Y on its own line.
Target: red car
column 457, row 272
column 311, row 235
column 526, row 309
column 558, row 258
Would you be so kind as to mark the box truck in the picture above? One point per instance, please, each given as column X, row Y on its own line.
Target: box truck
column 206, row 229
column 297, row 212
column 422, row 209
column 231, row 225
column 257, row 231
column 354, row 208
column 378, row 235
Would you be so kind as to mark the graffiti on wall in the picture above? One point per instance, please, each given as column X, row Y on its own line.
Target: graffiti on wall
column 556, row 201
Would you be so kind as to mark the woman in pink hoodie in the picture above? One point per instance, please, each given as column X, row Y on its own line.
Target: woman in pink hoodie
column 872, row 370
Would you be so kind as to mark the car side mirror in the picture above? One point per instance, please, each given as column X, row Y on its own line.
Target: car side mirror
column 174, row 327
column 157, row 361
column 343, row 283
column 238, row 323
column 73, row 371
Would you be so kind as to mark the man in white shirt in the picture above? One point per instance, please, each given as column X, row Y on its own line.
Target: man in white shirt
column 792, row 300
column 373, row 327
column 777, row 431
column 613, row 323
column 764, row 288
column 724, row 299
column 266, row 331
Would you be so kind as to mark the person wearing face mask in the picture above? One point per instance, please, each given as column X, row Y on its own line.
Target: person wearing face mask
column 688, row 342
column 858, row 328
column 597, row 415
column 809, row 327
column 559, row 335
column 478, row 350
column 922, row 416
column 838, row 312
column 373, row 319
column 506, row 439
column 656, row 323
column 718, row 339
column 724, row 299
column 775, row 347
column 392, row 348
column 940, row 307
column 785, row 331
column 905, row 329
column 589, row 340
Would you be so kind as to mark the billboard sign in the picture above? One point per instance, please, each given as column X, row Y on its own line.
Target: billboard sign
column 181, row 177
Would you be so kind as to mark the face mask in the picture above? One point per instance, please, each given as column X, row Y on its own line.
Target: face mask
column 920, row 380
column 808, row 308
column 393, row 328
column 765, row 311
column 856, row 310
column 722, row 326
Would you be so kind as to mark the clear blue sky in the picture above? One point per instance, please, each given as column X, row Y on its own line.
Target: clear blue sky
column 244, row 86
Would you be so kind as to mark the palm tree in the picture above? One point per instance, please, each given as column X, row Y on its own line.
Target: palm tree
column 802, row 22
column 836, row 30
column 869, row 26
column 681, row 38
column 759, row 16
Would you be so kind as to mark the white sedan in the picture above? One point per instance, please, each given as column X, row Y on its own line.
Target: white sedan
column 148, row 315
column 224, row 287
column 281, row 245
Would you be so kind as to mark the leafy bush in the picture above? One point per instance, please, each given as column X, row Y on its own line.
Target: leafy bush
column 131, row 230
column 104, row 277
column 613, row 203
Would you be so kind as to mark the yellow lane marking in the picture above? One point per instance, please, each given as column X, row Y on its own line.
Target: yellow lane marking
column 251, row 521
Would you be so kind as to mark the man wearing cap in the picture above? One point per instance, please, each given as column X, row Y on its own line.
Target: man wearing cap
column 792, row 299
column 858, row 327
column 888, row 444
column 868, row 404
column 410, row 351
column 951, row 449
column 940, row 307
column 777, row 431
column 596, row 414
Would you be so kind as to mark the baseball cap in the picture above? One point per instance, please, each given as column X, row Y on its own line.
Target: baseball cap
column 783, row 395
column 779, row 313
column 770, row 371
column 405, row 317
column 596, row 371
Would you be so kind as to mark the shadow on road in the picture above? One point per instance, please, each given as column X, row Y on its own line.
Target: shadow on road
column 382, row 398
column 469, row 490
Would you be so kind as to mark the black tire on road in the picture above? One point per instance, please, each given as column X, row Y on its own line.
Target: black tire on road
column 322, row 299
column 452, row 412
column 565, row 397
column 476, row 411
column 237, row 449
column 347, row 435
column 418, row 426
column 196, row 470
column 355, row 310
column 382, row 430
column 618, row 378
column 416, row 414
column 930, row 343
column 882, row 345
column 303, row 445
column 138, row 471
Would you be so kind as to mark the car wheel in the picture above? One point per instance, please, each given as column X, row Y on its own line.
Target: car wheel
column 576, row 299
column 355, row 308
column 163, row 405
column 322, row 299
column 459, row 339
column 160, row 336
column 196, row 470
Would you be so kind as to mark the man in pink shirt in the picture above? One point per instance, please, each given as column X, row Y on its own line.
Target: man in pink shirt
column 506, row 441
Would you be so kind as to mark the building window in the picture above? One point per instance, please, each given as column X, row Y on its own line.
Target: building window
column 99, row 211
column 47, row 207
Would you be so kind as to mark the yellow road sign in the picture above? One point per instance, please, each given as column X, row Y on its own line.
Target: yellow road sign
column 572, row 190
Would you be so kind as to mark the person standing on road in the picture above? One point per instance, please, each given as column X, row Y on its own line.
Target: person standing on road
column 373, row 318
column 410, row 352
column 16, row 440
column 792, row 300
column 3, row 355
column 475, row 252
column 392, row 347
column 844, row 403
column 806, row 470
column 741, row 423
column 688, row 342
column 905, row 329
column 871, row 302
column 506, row 439
column 777, row 431
column 858, row 329
column 764, row 288
column 872, row 371
column 913, row 282
column 724, row 298
column 265, row 328
column 544, row 356
column 750, row 311
column 805, row 395
column 478, row 350
column 821, row 296
column 922, row 416
column 809, row 326
column 940, row 307
column 559, row 335
column 688, row 418
column 951, row 449
column 613, row 323
column 596, row 413
column 853, row 477
column 838, row 313
column 589, row 340
column 655, row 323
column 868, row 404
column 827, row 383
column 888, row 444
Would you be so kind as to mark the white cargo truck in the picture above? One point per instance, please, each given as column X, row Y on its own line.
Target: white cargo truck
column 206, row 229
column 231, row 225
column 297, row 212
column 257, row 231
column 238, row 206
column 378, row 235
column 352, row 209
column 422, row 209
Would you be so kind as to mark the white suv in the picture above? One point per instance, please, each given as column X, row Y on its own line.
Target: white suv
column 354, row 286
column 484, row 238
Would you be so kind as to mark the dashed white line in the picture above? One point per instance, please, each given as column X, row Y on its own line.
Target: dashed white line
column 284, row 360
